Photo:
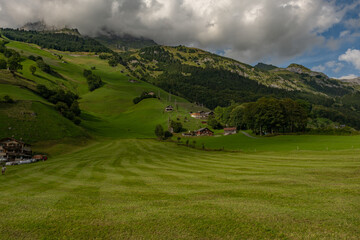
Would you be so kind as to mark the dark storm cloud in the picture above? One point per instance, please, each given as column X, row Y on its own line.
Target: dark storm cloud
column 247, row 30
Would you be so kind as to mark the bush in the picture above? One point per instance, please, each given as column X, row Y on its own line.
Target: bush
column 159, row 131
column 32, row 69
column 43, row 66
column 167, row 135
column 176, row 126
column 94, row 81
column 212, row 122
column 143, row 96
column 8, row 99
column 3, row 64
column 65, row 102
column 14, row 64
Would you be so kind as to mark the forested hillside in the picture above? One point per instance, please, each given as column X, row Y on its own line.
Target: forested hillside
column 203, row 78
column 58, row 41
column 214, row 81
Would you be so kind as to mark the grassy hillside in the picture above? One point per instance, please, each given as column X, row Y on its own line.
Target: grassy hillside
column 32, row 118
column 153, row 61
column 142, row 189
column 108, row 111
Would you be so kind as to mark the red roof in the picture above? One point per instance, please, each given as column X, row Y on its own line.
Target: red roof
column 230, row 129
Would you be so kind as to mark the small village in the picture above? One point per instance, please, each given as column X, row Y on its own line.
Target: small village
column 205, row 131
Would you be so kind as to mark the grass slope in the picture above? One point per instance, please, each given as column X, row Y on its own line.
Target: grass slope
column 35, row 121
column 108, row 111
column 143, row 189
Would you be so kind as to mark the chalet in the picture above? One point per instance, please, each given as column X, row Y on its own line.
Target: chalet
column 169, row 108
column 196, row 115
column 12, row 149
column 230, row 131
column 204, row 132
column 201, row 115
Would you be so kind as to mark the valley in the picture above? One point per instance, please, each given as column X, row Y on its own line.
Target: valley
column 109, row 176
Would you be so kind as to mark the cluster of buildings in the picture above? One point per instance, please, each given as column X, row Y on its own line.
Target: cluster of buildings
column 203, row 131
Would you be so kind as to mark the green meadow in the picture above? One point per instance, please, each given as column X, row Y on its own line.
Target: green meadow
column 144, row 189
column 110, row 179
column 287, row 143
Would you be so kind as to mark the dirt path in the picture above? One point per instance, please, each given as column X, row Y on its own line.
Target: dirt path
column 248, row 135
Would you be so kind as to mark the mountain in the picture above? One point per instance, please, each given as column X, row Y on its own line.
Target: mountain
column 106, row 37
column 161, row 65
column 197, row 76
column 265, row 67
column 41, row 26
column 123, row 42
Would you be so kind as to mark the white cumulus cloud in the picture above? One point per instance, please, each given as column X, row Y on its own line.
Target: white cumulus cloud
column 351, row 56
column 319, row 68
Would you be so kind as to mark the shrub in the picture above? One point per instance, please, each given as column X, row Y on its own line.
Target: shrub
column 159, row 131
column 3, row 64
column 8, row 99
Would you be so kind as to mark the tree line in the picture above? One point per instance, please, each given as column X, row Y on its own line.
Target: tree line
column 58, row 41
column 13, row 58
column 266, row 116
column 65, row 102
column 144, row 95
column 94, row 81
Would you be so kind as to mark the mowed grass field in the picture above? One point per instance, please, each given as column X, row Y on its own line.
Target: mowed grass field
column 240, row 142
column 144, row 189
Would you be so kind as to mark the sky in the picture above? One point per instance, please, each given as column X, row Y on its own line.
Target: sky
column 322, row 35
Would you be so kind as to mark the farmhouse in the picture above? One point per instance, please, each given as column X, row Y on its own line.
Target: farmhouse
column 230, row 131
column 196, row 115
column 201, row 114
column 169, row 108
column 204, row 132
column 12, row 149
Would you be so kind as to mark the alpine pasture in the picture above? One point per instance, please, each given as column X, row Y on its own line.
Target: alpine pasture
column 110, row 179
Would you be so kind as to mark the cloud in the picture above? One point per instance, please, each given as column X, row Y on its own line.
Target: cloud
column 319, row 68
column 353, row 23
column 351, row 56
column 344, row 33
column 248, row 30
column 351, row 76
column 332, row 65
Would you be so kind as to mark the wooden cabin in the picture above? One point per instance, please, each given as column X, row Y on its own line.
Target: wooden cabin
column 230, row 131
column 204, row 132
column 12, row 149
column 169, row 108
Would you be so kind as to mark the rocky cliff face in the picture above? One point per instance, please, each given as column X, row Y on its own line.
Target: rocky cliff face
column 41, row 26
